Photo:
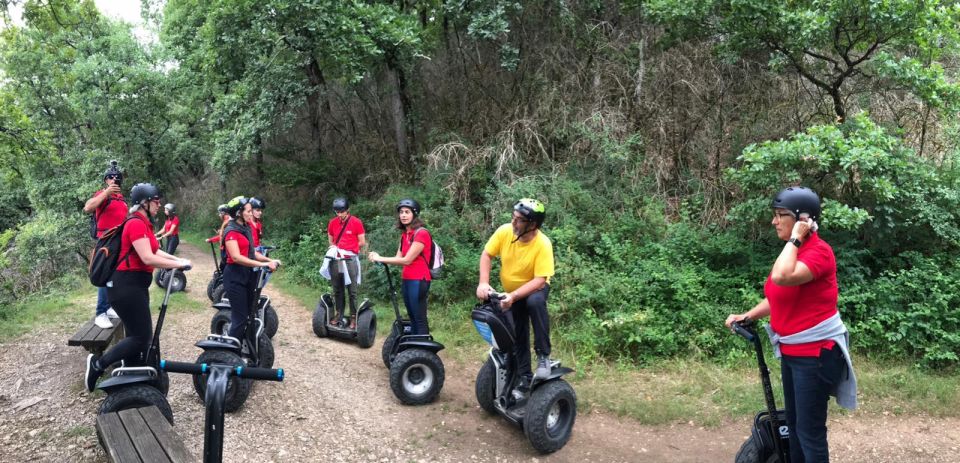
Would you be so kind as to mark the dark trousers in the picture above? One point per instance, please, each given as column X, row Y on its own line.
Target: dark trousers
column 172, row 242
column 415, row 298
column 130, row 298
column 807, row 383
column 532, row 308
column 239, row 285
column 336, row 280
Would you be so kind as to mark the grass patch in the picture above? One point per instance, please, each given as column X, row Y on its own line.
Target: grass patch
column 69, row 300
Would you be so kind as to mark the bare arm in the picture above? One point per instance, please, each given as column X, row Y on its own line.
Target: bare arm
column 787, row 271
column 483, row 287
column 93, row 203
column 362, row 239
column 758, row 311
column 233, row 249
column 415, row 249
column 158, row 260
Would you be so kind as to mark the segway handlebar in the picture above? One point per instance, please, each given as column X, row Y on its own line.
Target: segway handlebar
column 745, row 329
column 267, row 374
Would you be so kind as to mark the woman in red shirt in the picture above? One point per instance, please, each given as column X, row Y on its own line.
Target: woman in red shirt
column 413, row 254
column 801, row 296
column 171, row 228
column 127, row 291
column 238, row 276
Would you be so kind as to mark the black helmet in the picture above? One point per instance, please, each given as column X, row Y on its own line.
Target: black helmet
column 410, row 204
column 222, row 209
column 341, row 204
column 798, row 200
column 143, row 192
column 235, row 206
column 532, row 210
column 114, row 169
column 170, row 208
column 258, row 203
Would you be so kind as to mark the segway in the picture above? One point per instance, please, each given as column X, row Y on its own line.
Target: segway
column 769, row 440
column 416, row 371
column 143, row 385
column 365, row 332
column 163, row 276
column 220, row 324
column 254, row 350
column 216, row 281
column 218, row 377
column 546, row 408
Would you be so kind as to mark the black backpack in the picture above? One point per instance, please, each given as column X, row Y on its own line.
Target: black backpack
column 96, row 213
column 105, row 257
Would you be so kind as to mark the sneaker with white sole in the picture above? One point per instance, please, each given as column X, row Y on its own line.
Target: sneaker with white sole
column 111, row 313
column 103, row 321
column 92, row 374
column 543, row 367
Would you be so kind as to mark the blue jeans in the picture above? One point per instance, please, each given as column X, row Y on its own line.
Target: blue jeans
column 102, row 302
column 807, row 383
column 415, row 298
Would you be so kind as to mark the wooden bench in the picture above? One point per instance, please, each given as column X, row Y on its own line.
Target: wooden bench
column 95, row 339
column 140, row 435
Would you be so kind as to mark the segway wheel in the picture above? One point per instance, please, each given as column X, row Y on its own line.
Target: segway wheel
column 320, row 320
column 272, row 321
column 163, row 382
column 220, row 324
column 238, row 389
column 136, row 396
column 179, row 281
column 551, row 412
column 752, row 452
column 366, row 328
column 416, row 376
column 218, row 293
column 211, row 287
column 265, row 349
column 388, row 346
column 486, row 387
column 159, row 278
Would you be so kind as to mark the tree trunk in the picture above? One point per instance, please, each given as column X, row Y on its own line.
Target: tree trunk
column 400, row 108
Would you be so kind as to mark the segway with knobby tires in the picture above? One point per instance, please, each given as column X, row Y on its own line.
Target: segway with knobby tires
column 216, row 281
column 254, row 350
column 365, row 330
column 416, row 371
column 546, row 408
column 769, row 440
column 220, row 323
column 141, row 384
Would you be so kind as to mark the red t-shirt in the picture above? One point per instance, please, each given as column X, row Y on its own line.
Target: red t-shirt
column 350, row 240
column 796, row 308
column 111, row 215
column 256, row 230
column 171, row 221
column 418, row 269
column 241, row 240
column 136, row 228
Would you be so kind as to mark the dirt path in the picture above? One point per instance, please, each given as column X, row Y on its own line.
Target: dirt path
column 336, row 405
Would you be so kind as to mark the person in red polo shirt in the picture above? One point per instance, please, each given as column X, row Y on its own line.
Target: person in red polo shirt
column 258, row 205
column 171, row 228
column 416, row 244
column 347, row 235
column 805, row 326
column 109, row 209
column 224, row 219
column 127, row 289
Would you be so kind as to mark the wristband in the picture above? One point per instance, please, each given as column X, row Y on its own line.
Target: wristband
column 796, row 242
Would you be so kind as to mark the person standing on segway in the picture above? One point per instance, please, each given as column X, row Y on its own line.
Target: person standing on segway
column 413, row 254
column 256, row 226
column 238, row 276
column 127, row 290
column 526, row 265
column 805, row 327
column 224, row 219
column 171, row 228
column 108, row 208
column 347, row 236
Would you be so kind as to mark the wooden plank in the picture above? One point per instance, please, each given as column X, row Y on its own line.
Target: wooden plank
column 81, row 334
column 172, row 443
column 114, row 439
column 147, row 446
column 106, row 333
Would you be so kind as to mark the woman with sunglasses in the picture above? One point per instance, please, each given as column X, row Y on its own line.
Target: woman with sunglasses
column 127, row 291
column 413, row 254
column 108, row 208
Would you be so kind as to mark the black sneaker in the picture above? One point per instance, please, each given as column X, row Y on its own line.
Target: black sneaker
column 543, row 367
column 93, row 372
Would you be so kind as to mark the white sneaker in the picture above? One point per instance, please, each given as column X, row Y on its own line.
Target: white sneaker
column 111, row 313
column 103, row 321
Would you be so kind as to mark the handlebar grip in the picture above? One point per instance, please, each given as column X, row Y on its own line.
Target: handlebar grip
column 742, row 331
column 186, row 268
column 267, row 374
column 184, row 367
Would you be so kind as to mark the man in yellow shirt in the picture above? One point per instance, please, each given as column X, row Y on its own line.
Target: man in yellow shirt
column 526, row 265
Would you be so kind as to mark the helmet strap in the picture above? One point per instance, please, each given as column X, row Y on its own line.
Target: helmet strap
column 526, row 229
